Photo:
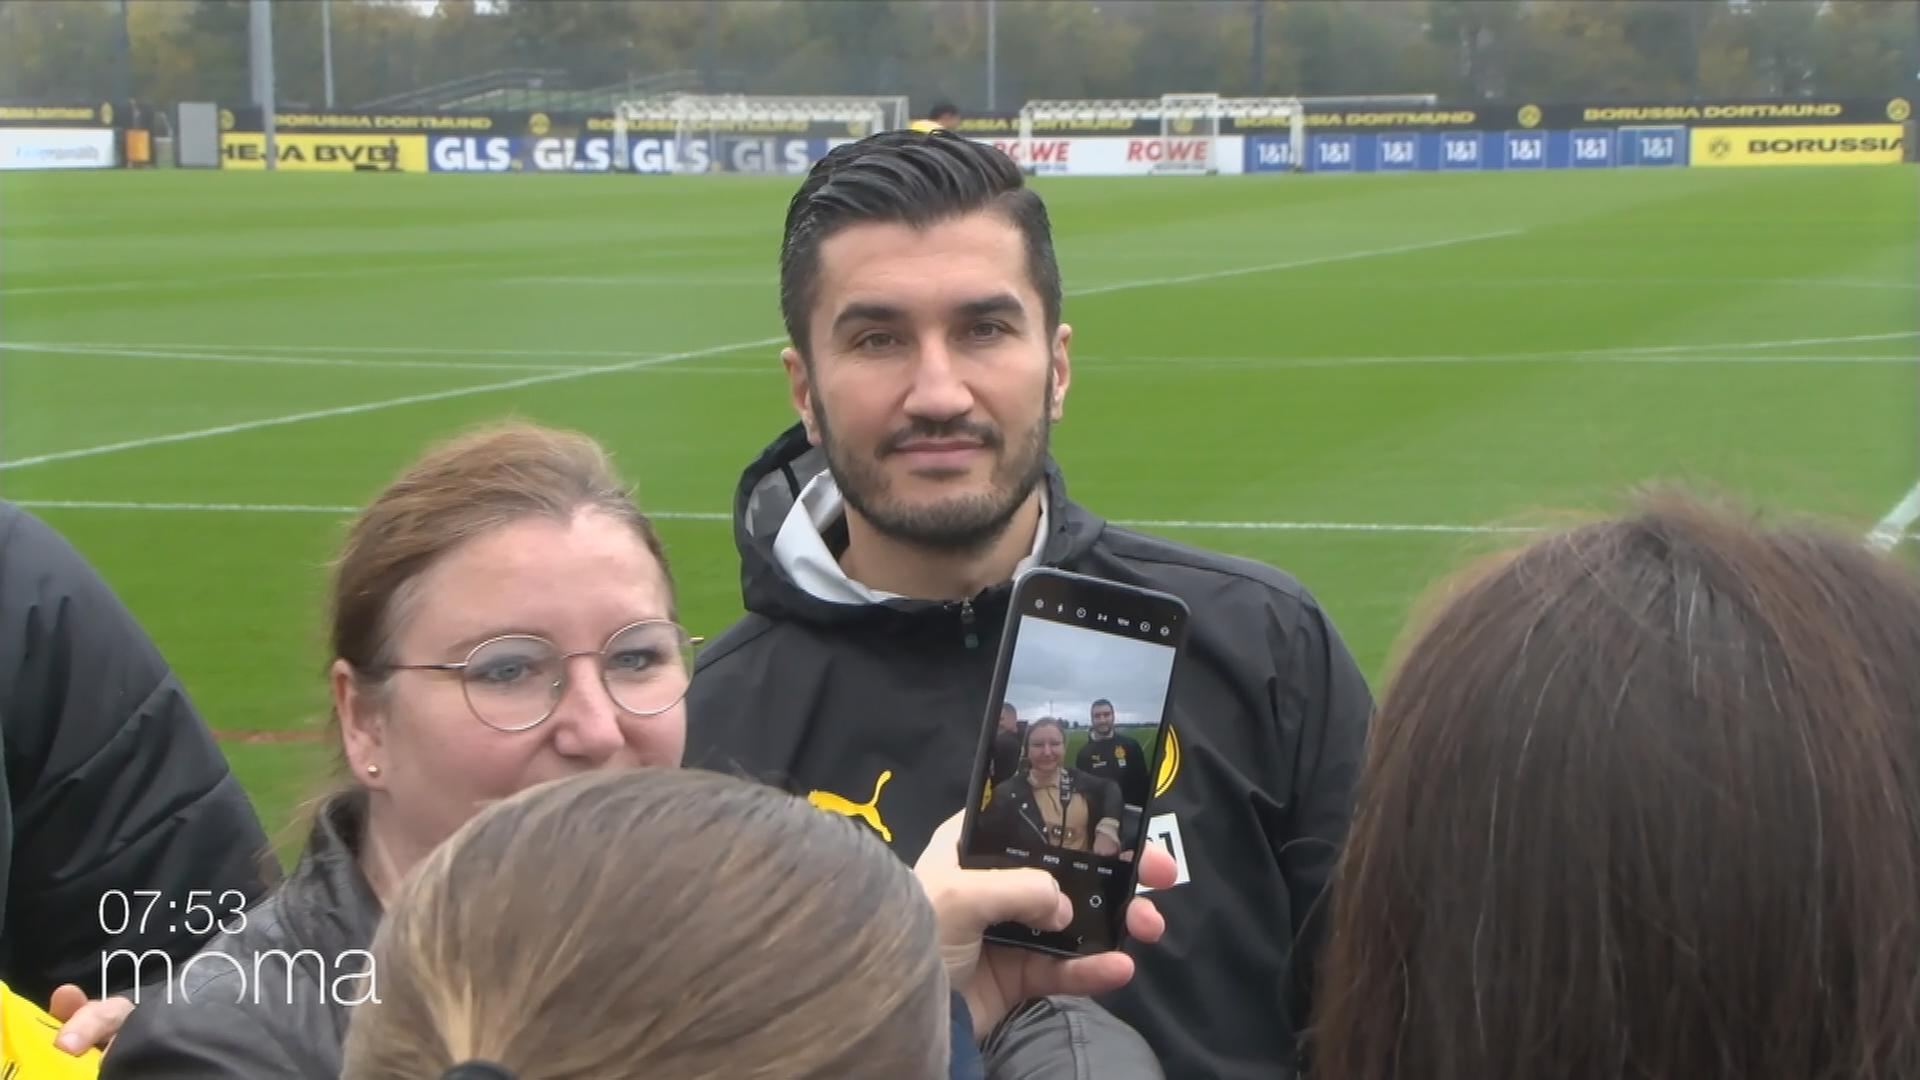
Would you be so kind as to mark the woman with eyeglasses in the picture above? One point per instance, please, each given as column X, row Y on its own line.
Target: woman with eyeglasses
column 502, row 616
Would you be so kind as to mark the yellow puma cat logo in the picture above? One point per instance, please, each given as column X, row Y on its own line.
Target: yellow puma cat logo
column 868, row 811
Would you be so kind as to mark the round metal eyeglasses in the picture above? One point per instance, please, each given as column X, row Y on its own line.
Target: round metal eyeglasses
column 515, row 681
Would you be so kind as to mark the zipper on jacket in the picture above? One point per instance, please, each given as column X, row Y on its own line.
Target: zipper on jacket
column 966, row 624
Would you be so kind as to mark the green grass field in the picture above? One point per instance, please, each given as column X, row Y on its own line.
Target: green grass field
column 1343, row 376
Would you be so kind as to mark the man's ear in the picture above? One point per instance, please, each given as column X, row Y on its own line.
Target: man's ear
column 1062, row 372
column 800, row 390
column 362, row 733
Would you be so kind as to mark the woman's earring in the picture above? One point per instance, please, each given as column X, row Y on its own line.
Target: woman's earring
column 373, row 770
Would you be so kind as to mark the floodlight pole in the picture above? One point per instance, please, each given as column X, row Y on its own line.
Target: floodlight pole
column 261, row 57
column 123, row 45
column 326, row 46
column 1256, row 77
column 992, row 53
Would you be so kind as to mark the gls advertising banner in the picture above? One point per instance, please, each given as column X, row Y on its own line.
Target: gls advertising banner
column 1826, row 144
column 646, row 154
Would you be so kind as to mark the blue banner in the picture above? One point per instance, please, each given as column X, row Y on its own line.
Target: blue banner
column 1450, row 151
column 1653, row 146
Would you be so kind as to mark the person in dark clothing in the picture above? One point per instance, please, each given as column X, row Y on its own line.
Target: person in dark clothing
column 1116, row 757
column 503, row 615
column 879, row 537
column 112, row 784
column 1046, row 805
column 1008, row 738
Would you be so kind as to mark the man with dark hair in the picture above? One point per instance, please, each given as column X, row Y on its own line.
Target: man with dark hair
column 1008, row 737
column 942, row 115
column 879, row 537
column 1113, row 756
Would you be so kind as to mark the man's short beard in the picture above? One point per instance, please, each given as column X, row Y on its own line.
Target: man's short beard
column 964, row 524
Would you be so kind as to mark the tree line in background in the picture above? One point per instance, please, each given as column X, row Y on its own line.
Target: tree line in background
column 163, row 51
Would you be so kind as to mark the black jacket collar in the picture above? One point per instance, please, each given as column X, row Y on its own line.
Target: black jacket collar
column 327, row 901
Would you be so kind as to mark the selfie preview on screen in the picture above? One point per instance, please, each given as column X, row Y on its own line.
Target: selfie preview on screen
column 1074, row 751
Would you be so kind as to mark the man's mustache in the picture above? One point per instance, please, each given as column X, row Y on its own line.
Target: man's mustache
column 986, row 435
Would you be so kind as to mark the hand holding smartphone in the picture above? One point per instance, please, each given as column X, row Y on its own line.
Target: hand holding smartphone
column 1069, row 754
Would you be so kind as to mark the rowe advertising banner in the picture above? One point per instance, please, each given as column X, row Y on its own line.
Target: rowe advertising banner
column 1126, row 156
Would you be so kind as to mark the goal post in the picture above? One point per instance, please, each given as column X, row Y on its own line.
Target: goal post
column 729, row 132
column 1189, row 126
column 1184, row 120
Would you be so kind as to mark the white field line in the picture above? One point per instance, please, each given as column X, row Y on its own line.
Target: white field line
column 1126, row 364
column 283, row 361
column 1884, row 536
column 308, row 275
column 172, row 283
column 650, row 281
column 230, row 279
column 1295, row 264
column 1165, row 363
column 579, row 373
column 1685, row 353
column 269, row 508
column 1781, row 343
column 1102, row 363
column 1894, row 527
column 345, row 350
column 1609, row 353
column 376, row 406
column 714, row 516
column 1474, row 284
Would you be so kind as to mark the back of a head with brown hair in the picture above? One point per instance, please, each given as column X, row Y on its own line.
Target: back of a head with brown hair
column 1643, row 801
column 657, row 923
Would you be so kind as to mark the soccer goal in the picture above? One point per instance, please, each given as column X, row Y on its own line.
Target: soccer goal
column 743, row 133
column 1188, row 143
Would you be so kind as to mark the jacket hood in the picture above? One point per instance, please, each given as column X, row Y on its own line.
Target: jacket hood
column 765, row 500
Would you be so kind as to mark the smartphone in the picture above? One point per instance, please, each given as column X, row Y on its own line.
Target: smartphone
column 1070, row 751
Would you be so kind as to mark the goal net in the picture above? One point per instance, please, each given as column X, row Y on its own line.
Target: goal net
column 743, row 133
column 1189, row 125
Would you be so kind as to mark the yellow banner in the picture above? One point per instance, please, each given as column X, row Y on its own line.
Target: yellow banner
column 329, row 153
column 1827, row 144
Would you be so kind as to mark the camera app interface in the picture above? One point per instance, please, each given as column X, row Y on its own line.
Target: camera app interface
column 1074, row 754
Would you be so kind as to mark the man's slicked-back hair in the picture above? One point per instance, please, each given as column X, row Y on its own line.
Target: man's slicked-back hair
column 915, row 178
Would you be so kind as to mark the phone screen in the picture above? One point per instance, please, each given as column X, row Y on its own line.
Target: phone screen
column 1072, row 751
